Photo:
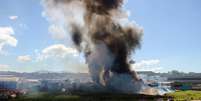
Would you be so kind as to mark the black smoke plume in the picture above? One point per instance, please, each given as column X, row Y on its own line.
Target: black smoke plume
column 101, row 30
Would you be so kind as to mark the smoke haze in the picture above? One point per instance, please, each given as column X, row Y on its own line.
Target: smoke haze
column 101, row 30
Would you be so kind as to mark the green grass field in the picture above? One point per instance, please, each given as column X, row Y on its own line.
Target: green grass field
column 186, row 95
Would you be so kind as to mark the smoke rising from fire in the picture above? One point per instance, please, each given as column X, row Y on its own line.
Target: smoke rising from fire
column 101, row 30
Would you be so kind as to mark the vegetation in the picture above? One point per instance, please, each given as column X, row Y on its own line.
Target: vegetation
column 185, row 95
column 175, row 96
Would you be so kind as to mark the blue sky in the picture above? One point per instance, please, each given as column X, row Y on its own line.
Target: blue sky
column 171, row 40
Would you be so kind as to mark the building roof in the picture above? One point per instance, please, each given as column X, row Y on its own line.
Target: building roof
column 8, row 78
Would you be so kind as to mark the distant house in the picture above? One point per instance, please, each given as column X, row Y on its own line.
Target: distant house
column 148, row 73
column 194, row 80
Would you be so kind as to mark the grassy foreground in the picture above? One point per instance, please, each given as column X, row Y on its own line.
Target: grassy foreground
column 88, row 97
column 186, row 95
column 176, row 96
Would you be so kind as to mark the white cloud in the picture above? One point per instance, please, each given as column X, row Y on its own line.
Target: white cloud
column 2, row 66
column 147, row 65
column 57, row 50
column 25, row 58
column 13, row 17
column 6, row 30
column 7, row 38
column 59, row 57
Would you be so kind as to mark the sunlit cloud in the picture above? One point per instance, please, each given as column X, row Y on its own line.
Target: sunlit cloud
column 57, row 50
column 7, row 38
column 13, row 17
column 3, row 66
column 25, row 58
column 147, row 65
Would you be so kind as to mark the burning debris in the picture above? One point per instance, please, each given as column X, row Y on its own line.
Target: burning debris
column 101, row 30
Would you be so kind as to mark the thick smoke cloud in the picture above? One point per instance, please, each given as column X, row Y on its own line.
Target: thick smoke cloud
column 101, row 30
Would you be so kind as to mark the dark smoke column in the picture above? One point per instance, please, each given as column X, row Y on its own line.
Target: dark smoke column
column 101, row 29
column 120, row 40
